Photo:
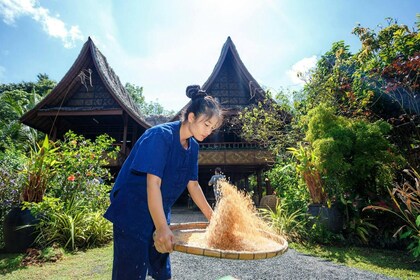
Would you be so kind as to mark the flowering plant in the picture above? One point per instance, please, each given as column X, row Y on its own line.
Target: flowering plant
column 82, row 172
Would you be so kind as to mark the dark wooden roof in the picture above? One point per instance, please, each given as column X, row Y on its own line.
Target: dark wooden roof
column 231, row 83
column 229, row 58
column 89, row 88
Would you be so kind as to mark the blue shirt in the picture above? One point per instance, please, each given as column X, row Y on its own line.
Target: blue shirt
column 159, row 152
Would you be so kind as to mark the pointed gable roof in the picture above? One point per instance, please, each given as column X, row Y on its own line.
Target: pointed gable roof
column 229, row 55
column 59, row 100
column 230, row 82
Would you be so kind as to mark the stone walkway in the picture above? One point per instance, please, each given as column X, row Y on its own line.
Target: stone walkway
column 185, row 215
column 291, row 265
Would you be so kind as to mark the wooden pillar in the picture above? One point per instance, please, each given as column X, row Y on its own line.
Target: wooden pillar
column 134, row 136
column 124, row 144
column 259, row 184
column 268, row 187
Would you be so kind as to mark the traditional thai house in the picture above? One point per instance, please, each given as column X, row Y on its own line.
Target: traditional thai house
column 90, row 100
column 235, row 88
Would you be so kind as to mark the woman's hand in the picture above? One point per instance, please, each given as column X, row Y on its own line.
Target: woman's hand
column 163, row 236
column 164, row 240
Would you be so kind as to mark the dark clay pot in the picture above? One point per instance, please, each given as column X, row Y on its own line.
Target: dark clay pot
column 332, row 218
column 19, row 230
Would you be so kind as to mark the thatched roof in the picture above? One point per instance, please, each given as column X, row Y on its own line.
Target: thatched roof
column 90, row 74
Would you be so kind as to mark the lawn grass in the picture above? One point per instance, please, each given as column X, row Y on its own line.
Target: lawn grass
column 97, row 263
column 398, row 264
column 92, row 264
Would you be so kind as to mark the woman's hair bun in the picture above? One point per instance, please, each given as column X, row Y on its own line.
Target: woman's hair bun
column 194, row 92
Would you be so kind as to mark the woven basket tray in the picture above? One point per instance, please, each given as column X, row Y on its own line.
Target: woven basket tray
column 182, row 229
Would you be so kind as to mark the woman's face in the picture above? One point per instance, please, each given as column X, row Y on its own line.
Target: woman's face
column 202, row 127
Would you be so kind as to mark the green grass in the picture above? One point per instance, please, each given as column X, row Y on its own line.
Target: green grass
column 92, row 264
column 398, row 264
column 97, row 263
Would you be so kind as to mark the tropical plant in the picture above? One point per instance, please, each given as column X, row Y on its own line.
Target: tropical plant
column 309, row 173
column 71, row 225
column 284, row 221
column 82, row 170
column 357, row 228
column 38, row 171
column 13, row 104
column 287, row 185
column 380, row 81
column 71, row 212
column 15, row 100
column 406, row 206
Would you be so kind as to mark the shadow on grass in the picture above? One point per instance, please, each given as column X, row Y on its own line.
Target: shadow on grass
column 363, row 256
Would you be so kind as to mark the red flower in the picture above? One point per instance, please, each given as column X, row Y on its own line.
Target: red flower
column 71, row 178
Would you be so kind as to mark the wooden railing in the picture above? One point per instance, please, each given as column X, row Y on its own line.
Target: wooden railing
column 230, row 146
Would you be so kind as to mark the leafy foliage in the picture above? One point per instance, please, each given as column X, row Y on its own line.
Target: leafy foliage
column 310, row 175
column 406, row 206
column 358, row 228
column 15, row 100
column 82, row 172
column 286, row 222
column 287, row 185
column 146, row 108
column 38, row 170
column 268, row 123
column 352, row 155
column 11, row 181
column 70, row 224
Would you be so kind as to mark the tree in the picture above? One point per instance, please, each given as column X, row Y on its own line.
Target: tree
column 15, row 100
column 146, row 108
column 379, row 82
column 268, row 123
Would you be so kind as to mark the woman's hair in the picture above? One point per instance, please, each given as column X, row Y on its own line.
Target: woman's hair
column 202, row 104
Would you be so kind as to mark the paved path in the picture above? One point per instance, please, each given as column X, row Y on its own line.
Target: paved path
column 291, row 265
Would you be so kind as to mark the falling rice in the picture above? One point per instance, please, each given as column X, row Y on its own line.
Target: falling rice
column 235, row 224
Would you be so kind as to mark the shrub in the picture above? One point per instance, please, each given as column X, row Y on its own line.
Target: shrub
column 287, row 185
column 285, row 221
column 352, row 155
column 406, row 206
column 11, row 163
column 82, row 172
column 78, row 194
column 70, row 225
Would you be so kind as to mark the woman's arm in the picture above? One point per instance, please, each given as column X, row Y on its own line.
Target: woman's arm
column 199, row 199
column 163, row 236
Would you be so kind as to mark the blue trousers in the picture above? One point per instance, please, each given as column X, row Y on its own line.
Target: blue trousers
column 134, row 258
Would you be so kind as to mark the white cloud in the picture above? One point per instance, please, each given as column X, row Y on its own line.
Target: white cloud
column 302, row 67
column 11, row 10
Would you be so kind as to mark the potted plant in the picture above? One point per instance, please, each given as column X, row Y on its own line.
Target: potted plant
column 320, row 207
column 38, row 169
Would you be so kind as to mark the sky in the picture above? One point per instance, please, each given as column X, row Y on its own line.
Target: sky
column 166, row 45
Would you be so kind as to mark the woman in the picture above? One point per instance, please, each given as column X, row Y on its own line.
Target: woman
column 163, row 162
